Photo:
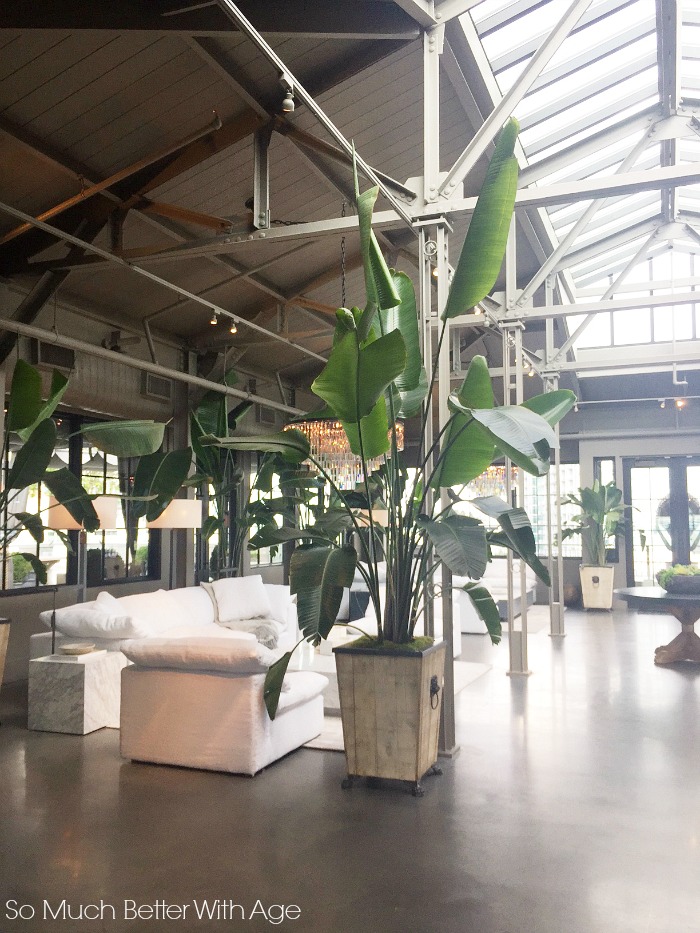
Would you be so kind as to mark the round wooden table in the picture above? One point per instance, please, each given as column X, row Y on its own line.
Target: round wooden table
column 685, row 608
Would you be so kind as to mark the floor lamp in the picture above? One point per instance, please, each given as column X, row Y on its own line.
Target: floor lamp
column 58, row 518
column 179, row 514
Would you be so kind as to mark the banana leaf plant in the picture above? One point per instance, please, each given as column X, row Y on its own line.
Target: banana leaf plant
column 29, row 421
column 375, row 376
column 599, row 522
column 219, row 470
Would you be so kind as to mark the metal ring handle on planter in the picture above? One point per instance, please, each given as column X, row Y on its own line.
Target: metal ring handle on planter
column 434, row 692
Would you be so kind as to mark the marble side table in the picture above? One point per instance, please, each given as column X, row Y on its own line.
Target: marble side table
column 75, row 694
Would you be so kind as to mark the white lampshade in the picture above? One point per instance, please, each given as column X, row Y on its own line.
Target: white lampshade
column 181, row 513
column 59, row 518
column 107, row 508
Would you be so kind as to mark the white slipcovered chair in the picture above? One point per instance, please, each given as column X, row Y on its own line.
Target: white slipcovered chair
column 198, row 703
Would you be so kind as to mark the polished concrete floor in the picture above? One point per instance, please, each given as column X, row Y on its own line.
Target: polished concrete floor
column 573, row 807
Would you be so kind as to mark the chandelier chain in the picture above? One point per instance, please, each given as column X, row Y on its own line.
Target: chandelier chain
column 342, row 264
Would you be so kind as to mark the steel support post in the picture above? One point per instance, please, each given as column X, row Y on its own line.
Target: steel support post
column 513, row 395
column 554, row 524
column 261, row 177
column 432, row 47
column 428, row 249
column 447, row 740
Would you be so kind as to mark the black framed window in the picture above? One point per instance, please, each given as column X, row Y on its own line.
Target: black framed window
column 124, row 553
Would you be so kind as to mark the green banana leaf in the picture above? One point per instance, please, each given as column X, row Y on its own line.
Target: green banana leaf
column 66, row 489
column 516, row 534
column 273, row 683
column 33, row 457
column 38, row 566
column 160, row 475
column 409, row 403
column 404, row 318
column 375, row 432
column 59, row 384
column 33, row 524
column 292, row 444
column 466, row 449
column 379, row 284
column 520, row 434
column 355, row 376
column 460, row 541
column 125, row 438
column 552, row 406
column 485, row 243
column 486, row 609
column 318, row 575
column 25, row 397
column 211, row 412
column 208, row 459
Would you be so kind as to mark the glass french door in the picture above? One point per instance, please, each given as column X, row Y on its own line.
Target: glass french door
column 663, row 526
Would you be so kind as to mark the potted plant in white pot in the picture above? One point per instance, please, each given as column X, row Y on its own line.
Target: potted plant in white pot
column 375, row 376
column 599, row 522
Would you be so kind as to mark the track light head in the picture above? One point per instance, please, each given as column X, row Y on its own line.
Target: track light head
column 288, row 102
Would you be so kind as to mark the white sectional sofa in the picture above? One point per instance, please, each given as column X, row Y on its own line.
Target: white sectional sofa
column 193, row 662
column 191, row 611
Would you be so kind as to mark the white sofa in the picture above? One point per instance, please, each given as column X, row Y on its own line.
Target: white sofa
column 198, row 703
column 495, row 580
column 182, row 614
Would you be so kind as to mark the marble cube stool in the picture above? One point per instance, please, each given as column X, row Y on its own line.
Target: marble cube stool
column 75, row 693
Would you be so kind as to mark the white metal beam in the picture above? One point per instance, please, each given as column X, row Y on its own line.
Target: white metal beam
column 445, row 10
column 588, row 123
column 596, row 307
column 567, row 158
column 422, row 11
column 615, row 286
column 493, row 123
column 609, row 79
column 524, row 50
column 529, row 198
column 578, row 228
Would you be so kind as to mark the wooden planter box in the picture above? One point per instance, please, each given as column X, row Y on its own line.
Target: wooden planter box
column 390, row 718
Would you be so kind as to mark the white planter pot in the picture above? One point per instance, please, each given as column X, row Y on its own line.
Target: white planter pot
column 597, row 587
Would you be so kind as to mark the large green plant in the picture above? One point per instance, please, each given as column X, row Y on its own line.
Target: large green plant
column 373, row 377
column 218, row 470
column 600, row 520
column 29, row 421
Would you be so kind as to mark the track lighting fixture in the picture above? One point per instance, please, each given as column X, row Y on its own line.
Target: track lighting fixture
column 233, row 329
column 214, row 320
column 288, row 102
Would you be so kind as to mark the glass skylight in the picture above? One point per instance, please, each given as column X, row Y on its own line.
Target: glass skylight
column 604, row 79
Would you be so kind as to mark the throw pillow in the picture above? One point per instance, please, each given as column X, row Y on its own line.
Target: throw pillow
column 240, row 598
column 88, row 620
column 280, row 601
column 204, row 654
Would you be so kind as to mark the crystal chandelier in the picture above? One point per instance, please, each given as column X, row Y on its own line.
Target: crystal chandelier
column 331, row 449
